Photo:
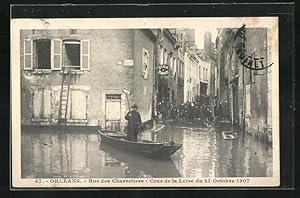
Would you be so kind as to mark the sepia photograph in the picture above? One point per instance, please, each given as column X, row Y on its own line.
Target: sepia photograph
column 145, row 102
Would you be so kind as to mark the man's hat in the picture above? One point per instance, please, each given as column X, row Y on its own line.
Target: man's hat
column 134, row 106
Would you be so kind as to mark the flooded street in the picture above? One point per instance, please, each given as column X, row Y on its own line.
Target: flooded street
column 204, row 153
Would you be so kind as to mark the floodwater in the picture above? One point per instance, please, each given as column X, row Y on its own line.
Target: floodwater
column 204, row 153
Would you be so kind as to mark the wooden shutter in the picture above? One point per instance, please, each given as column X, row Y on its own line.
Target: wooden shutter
column 78, row 104
column 37, row 103
column 85, row 54
column 56, row 54
column 28, row 56
column 47, row 103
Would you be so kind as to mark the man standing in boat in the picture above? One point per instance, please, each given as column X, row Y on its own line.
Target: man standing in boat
column 134, row 123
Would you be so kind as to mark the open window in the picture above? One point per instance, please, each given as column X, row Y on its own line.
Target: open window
column 71, row 55
column 42, row 55
column 55, row 54
column 76, row 54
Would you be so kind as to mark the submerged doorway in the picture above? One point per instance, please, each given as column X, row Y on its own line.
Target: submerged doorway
column 113, row 112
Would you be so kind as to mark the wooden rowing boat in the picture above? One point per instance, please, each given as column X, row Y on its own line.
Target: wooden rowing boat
column 144, row 147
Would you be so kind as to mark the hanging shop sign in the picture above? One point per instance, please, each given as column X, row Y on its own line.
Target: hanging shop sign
column 127, row 91
column 251, row 62
column 163, row 70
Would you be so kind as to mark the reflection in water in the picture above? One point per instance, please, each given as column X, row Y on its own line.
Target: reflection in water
column 139, row 166
column 204, row 154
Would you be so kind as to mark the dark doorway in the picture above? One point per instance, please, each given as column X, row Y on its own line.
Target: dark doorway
column 203, row 89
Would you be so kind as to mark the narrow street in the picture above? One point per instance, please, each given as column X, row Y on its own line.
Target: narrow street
column 205, row 153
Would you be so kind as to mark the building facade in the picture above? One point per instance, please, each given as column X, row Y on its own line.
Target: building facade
column 98, row 63
column 192, row 77
column 170, row 52
column 246, row 92
column 204, row 73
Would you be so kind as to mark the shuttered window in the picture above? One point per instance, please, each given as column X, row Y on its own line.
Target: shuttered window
column 85, row 54
column 79, row 104
column 28, row 54
column 56, row 54
column 42, row 103
column 71, row 54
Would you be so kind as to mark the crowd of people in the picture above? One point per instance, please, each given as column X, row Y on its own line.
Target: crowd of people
column 205, row 110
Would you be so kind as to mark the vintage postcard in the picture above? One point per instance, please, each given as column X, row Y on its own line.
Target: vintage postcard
column 145, row 102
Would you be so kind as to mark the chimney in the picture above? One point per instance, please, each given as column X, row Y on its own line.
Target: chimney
column 207, row 44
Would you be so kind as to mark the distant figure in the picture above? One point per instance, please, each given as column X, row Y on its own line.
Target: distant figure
column 134, row 123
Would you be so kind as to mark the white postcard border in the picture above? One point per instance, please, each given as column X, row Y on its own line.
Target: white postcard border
column 126, row 23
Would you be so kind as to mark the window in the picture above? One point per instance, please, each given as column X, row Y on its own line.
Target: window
column 182, row 69
column 54, row 54
column 199, row 73
column 42, row 54
column 165, row 57
column 145, row 63
column 206, row 74
column 161, row 62
column 72, row 54
column 78, row 105
column 171, row 65
column 175, row 66
column 37, row 54
column 113, row 96
column 41, row 103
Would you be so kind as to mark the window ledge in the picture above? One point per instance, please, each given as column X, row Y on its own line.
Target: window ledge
column 74, row 72
column 41, row 71
column 77, row 120
column 40, row 119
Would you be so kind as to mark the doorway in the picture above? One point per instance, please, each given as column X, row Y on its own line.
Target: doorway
column 113, row 112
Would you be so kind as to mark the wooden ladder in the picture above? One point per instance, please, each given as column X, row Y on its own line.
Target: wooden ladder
column 64, row 98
